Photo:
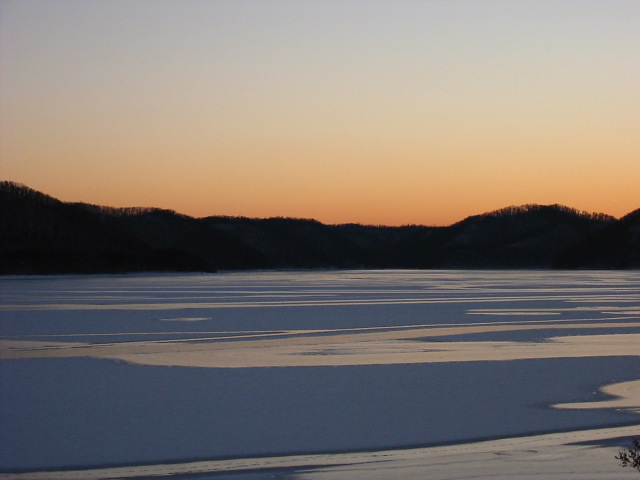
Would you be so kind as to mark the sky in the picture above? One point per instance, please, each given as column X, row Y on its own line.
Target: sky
column 365, row 111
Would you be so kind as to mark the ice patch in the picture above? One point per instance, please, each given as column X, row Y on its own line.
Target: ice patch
column 626, row 398
column 184, row 319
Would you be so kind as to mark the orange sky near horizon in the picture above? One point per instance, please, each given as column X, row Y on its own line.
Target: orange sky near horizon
column 373, row 112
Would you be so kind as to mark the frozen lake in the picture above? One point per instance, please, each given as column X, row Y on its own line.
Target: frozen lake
column 121, row 371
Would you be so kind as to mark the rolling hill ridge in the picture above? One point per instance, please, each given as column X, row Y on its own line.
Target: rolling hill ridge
column 42, row 235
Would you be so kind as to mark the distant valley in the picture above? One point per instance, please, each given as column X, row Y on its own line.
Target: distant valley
column 42, row 235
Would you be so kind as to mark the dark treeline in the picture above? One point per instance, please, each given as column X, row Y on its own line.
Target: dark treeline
column 41, row 235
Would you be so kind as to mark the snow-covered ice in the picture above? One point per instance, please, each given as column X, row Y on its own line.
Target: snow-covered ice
column 319, row 374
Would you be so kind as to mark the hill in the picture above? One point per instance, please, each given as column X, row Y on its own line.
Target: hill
column 617, row 246
column 40, row 234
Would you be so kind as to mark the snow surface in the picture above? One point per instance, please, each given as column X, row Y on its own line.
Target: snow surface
column 145, row 369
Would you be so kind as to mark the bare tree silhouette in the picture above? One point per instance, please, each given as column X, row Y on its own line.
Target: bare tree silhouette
column 631, row 456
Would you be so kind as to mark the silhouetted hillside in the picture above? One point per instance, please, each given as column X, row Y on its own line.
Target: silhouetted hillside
column 617, row 246
column 39, row 234
column 530, row 236
column 301, row 243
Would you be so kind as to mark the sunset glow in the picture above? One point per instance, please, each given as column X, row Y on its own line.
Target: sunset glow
column 376, row 112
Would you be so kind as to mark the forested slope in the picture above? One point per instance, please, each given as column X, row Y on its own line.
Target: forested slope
column 40, row 234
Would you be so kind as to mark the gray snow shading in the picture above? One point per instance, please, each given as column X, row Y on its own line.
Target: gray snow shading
column 86, row 412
